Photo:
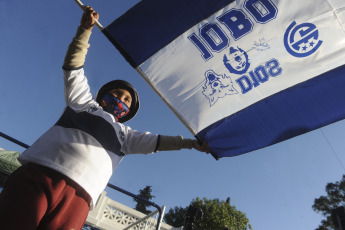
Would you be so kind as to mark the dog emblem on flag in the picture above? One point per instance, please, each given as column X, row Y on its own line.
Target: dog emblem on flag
column 217, row 86
column 238, row 61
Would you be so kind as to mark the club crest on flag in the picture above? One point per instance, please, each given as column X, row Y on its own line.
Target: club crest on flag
column 302, row 40
column 217, row 86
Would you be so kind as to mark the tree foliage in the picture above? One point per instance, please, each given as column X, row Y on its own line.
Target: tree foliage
column 145, row 194
column 215, row 215
column 325, row 204
column 175, row 216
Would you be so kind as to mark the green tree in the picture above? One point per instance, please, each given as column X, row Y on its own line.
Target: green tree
column 215, row 215
column 325, row 204
column 175, row 216
column 145, row 194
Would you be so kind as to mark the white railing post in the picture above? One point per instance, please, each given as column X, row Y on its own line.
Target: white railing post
column 156, row 222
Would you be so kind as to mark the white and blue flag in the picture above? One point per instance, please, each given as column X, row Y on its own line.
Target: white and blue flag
column 244, row 74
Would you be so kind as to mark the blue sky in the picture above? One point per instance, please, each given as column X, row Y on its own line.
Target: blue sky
column 274, row 186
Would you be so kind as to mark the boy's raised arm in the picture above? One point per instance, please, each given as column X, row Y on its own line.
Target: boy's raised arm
column 77, row 50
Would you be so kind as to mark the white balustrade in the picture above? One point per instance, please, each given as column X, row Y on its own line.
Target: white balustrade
column 109, row 214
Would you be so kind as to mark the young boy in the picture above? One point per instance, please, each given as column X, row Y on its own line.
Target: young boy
column 67, row 168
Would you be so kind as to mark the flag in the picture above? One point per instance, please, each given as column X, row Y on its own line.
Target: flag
column 244, row 74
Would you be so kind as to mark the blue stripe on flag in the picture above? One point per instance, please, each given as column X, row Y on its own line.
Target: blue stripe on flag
column 132, row 32
column 294, row 111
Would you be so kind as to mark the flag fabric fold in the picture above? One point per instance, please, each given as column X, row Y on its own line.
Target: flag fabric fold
column 244, row 74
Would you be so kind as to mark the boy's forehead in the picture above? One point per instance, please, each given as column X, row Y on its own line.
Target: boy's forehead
column 121, row 90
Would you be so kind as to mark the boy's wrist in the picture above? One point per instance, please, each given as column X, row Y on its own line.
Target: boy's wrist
column 187, row 143
column 166, row 143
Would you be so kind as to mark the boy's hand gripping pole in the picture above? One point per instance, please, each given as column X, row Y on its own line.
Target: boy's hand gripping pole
column 82, row 7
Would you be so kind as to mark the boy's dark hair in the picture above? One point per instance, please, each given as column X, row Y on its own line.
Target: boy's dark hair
column 121, row 84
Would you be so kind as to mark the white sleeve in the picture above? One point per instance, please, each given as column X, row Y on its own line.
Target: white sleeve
column 137, row 142
column 77, row 90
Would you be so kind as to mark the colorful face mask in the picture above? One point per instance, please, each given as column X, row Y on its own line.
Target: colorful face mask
column 114, row 106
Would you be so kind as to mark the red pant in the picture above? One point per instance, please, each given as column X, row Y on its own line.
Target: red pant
column 37, row 197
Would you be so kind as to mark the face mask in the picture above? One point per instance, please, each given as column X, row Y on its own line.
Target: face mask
column 114, row 106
